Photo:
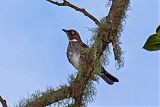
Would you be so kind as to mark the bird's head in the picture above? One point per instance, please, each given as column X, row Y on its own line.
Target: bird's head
column 72, row 35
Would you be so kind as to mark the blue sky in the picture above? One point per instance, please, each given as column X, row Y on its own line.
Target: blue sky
column 33, row 51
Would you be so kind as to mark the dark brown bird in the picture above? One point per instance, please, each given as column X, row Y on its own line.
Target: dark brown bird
column 73, row 54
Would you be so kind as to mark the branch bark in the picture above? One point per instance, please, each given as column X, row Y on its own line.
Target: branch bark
column 3, row 102
column 114, row 20
column 82, row 10
column 51, row 97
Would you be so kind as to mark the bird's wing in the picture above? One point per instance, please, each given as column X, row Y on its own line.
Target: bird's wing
column 84, row 45
column 68, row 57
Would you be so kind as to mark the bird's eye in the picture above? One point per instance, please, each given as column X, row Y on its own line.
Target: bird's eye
column 72, row 32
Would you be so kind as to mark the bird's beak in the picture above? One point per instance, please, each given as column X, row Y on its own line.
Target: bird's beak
column 66, row 31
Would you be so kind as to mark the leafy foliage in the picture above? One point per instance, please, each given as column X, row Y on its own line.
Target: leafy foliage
column 153, row 42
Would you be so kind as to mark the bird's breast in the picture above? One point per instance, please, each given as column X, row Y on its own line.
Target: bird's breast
column 73, row 54
column 74, row 59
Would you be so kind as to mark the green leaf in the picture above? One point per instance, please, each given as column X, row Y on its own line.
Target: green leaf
column 158, row 29
column 153, row 43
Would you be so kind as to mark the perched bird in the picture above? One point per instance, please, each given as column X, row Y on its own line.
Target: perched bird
column 73, row 54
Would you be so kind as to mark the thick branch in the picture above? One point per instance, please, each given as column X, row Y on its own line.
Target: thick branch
column 3, row 102
column 51, row 97
column 82, row 10
column 114, row 21
column 83, row 78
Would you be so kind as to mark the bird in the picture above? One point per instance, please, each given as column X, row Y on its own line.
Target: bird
column 74, row 48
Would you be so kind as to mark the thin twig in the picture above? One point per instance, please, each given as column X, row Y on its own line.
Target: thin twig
column 3, row 102
column 66, row 3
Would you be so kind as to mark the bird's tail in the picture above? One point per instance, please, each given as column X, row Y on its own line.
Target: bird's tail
column 107, row 77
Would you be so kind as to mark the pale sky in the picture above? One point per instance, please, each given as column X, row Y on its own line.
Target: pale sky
column 33, row 51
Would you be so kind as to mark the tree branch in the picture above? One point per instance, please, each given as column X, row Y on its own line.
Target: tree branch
column 51, row 97
column 114, row 20
column 3, row 102
column 77, row 88
column 82, row 10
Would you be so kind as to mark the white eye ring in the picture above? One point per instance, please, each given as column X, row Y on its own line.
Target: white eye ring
column 72, row 32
